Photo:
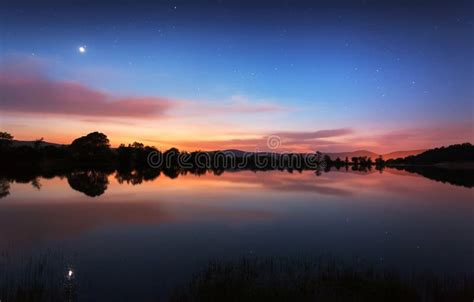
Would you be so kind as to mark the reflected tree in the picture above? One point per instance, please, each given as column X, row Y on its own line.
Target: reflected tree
column 172, row 173
column 36, row 184
column 92, row 183
column 4, row 187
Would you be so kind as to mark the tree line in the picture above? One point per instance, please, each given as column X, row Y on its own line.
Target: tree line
column 88, row 162
column 93, row 150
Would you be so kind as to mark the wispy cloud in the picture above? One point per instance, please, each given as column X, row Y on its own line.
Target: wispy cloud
column 308, row 135
column 301, row 141
column 233, row 105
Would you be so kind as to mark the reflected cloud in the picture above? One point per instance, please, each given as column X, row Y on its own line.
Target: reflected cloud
column 26, row 223
column 23, row 223
column 34, row 215
column 290, row 182
column 4, row 187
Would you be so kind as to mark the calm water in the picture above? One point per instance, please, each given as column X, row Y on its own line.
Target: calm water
column 146, row 239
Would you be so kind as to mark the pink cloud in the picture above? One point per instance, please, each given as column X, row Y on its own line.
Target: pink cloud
column 442, row 134
column 33, row 92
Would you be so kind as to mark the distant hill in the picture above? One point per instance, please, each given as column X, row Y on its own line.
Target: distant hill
column 461, row 153
column 238, row 153
column 16, row 143
column 387, row 156
column 401, row 154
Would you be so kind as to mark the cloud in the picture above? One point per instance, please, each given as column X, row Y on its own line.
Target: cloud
column 308, row 135
column 339, row 140
column 235, row 104
column 287, row 141
column 29, row 90
column 430, row 136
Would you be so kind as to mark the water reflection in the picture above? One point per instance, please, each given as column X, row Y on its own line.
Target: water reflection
column 90, row 182
column 27, row 224
column 136, row 177
column 4, row 187
column 148, row 226
column 94, row 183
column 142, row 198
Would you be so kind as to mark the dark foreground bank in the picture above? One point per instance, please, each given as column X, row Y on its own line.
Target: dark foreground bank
column 49, row 277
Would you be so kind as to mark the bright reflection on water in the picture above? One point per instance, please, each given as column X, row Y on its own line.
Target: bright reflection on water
column 147, row 238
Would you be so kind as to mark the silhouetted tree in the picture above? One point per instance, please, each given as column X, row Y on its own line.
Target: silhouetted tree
column 6, row 139
column 134, row 156
column 379, row 164
column 379, row 161
column 38, row 143
column 355, row 160
column 454, row 153
column 137, row 145
column 327, row 159
column 55, row 152
column 94, row 147
column 318, row 156
column 171, row 157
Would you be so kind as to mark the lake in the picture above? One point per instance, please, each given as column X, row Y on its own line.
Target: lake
column 139, row 240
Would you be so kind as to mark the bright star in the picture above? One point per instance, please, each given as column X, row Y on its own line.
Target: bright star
column 82, row 49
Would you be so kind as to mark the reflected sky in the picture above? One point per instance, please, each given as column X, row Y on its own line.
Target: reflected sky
column 165, row 228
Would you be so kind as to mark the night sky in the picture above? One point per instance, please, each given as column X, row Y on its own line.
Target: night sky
column 329, row 75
